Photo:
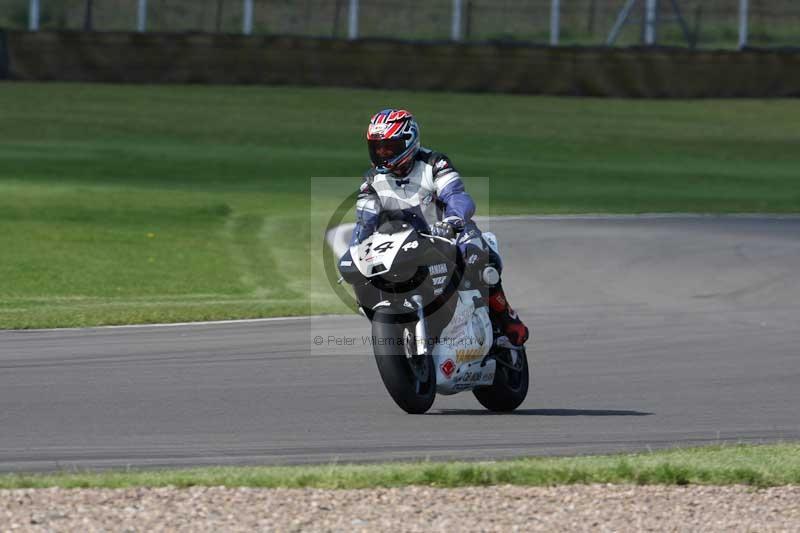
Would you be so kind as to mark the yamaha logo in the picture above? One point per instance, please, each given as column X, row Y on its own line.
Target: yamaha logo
column 439, row 268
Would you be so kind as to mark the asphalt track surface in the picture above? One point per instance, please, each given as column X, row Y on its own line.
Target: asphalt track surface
column 649, row 333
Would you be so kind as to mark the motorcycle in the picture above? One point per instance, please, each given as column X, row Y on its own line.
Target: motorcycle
column 431, row 331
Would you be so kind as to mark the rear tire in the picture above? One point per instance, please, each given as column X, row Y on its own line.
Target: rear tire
column 409, row 378
column 510, row 386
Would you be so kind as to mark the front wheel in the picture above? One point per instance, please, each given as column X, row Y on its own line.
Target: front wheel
column 510, row 385
column 409, row 378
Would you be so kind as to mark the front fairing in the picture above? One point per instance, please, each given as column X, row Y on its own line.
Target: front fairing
column 462, row 347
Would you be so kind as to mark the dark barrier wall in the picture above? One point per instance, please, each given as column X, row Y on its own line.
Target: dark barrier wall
column 208, row 58
column 3, row 56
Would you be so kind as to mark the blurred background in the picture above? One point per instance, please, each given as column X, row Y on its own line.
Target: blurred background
column 693, row 23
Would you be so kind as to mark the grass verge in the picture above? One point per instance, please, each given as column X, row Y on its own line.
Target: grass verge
column 141, row 204
column 759, row 466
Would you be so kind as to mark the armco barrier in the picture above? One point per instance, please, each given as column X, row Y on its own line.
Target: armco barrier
column 513, row 68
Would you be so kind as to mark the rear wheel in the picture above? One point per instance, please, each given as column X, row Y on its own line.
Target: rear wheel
column 510, row 386
column 409, row 378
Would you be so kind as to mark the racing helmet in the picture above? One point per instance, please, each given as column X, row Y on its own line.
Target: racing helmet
column 393, row 141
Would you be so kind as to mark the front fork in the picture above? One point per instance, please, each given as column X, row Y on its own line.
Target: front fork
column 421, row 328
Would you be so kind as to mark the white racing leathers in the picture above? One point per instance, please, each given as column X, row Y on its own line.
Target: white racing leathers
column 432, row 191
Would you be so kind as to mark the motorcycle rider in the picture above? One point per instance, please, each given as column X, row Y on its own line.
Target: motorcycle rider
column 425, row 186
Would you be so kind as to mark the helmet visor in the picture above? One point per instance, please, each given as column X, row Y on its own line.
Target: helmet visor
column 383, row 151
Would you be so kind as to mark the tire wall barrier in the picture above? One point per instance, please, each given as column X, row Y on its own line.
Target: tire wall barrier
column 511, row 68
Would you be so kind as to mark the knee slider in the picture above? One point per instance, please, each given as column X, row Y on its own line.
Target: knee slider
column 490, row 276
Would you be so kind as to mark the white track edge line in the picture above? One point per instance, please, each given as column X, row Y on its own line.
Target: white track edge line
column 178, row 324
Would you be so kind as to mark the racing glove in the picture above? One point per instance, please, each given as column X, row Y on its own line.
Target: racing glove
column 443, row 229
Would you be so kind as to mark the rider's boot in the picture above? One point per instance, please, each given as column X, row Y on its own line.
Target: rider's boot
column 506, row 318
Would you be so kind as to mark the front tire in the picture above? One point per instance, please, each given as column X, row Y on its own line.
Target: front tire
column 510, row 385
column 409, row 378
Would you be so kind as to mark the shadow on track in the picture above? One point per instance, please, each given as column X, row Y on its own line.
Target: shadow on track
column 543, row 412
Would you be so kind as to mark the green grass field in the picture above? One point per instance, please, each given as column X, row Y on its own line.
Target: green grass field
column 758, row 466
column 141, row 204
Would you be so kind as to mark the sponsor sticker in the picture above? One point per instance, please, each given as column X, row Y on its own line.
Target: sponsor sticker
column 465, row 356
column 378, row 129
column 472, row 378
column 447, row 368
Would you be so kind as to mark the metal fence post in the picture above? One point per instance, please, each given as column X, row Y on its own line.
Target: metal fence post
column 455, row 26
column 247, row 17
column 744, row 8
column 352, row 20
column 651, row 14
column 555, row 21
column 141, row 20
column 33, row 15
